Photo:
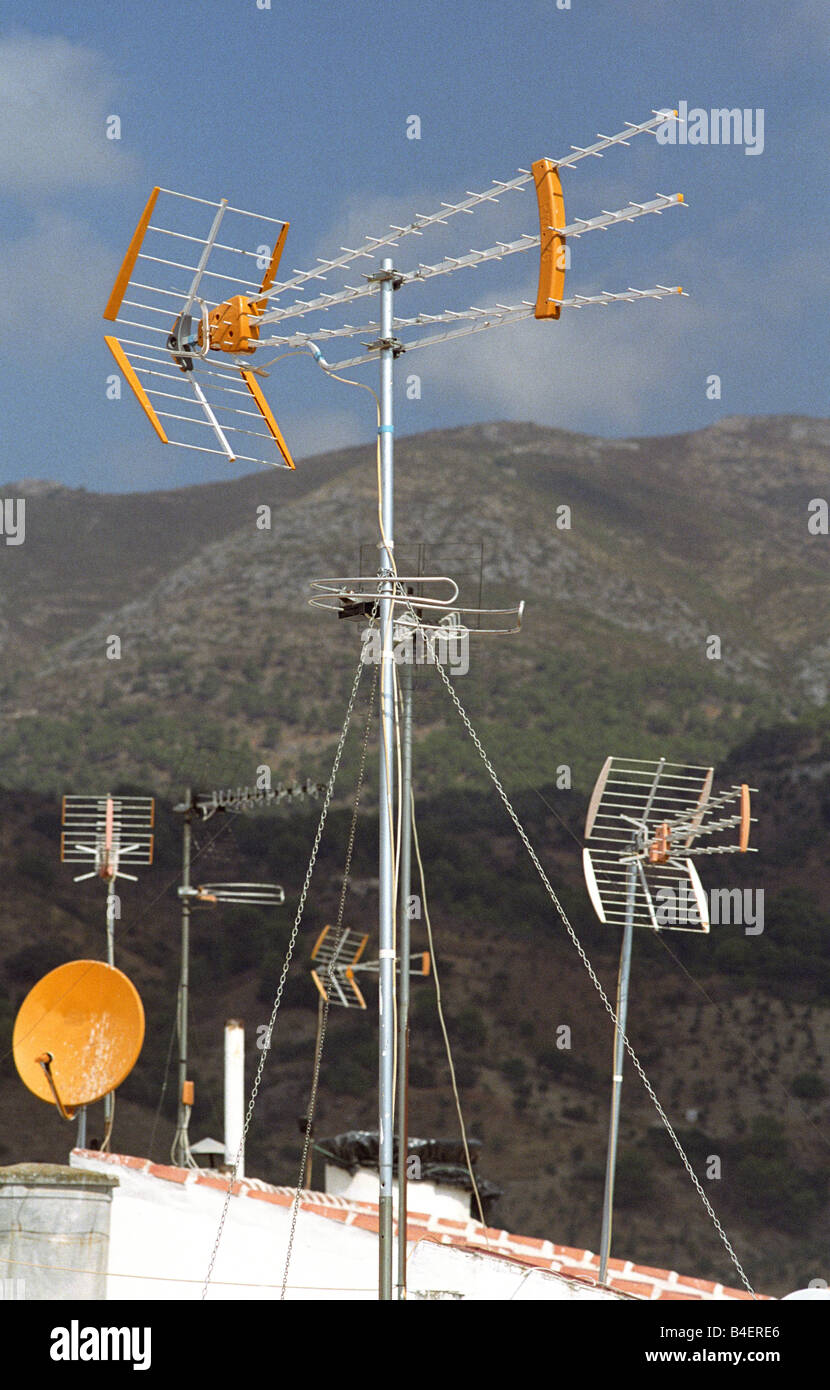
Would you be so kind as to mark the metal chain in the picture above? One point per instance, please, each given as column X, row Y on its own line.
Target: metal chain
column 285, row 967
column 339, row 934
column 595, row 981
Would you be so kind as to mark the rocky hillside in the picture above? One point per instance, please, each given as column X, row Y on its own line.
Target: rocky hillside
column 671, row 543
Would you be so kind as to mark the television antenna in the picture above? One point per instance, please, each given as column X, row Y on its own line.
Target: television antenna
column 106, row 833
column 338, row 959
column 78, row 1035
column 203, row 807
column 192, row 330
column 647, row 822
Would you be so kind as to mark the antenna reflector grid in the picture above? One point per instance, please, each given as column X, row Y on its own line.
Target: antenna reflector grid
column 104, row 830
column 635, row 811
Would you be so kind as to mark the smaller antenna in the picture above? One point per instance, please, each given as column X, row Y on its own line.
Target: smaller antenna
column 435, row 609
column 106, row 832
column 337, row 961
column 645, row 820
column 203, row 807
column 248, row 894
column 240, row 799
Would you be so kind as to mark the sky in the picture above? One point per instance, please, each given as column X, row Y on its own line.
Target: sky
column 301, row 111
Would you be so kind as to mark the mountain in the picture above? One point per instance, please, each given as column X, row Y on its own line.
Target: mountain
column 668, row 544
column 223, row 668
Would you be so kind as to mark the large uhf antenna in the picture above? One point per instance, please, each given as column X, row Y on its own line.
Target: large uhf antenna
column 647, row 822
column 198, row 296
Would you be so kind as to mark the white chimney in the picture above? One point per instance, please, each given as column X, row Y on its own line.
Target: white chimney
column 234, row 1093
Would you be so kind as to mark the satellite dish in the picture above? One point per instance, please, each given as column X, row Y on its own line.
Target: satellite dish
column 78, row 1034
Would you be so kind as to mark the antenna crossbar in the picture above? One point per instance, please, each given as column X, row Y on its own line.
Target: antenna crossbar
column 526, row 242
column 499, row 318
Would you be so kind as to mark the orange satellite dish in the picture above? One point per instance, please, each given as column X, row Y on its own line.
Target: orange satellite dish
column 78, row 1034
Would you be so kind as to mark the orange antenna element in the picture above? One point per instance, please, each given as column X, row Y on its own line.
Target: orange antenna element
column 271, row 273
column 660, row 846
column 267, row 415
column 336, row 957
column 552, row 241
column 743, row 842
column 188, row 304
column 135, row 386
column 78, row 1034
column 233, row 327
column 128, row 264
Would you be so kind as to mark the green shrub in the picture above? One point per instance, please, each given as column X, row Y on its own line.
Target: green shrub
column 808, row 1085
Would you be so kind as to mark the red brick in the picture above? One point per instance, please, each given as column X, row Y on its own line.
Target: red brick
column 366, row 1223
column 221, row 1184
column 641, row 1290
column 331, row 1213
column 705, row 1285
column 448, row 1221
column 164, row 1170
column 281, row 1199
column 568, row 1252
column 680, row 1297
column 651, row 1273
column 533, row 1241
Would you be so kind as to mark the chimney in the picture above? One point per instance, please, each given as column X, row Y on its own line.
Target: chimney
column 234, row 1093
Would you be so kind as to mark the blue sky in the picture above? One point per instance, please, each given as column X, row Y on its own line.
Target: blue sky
column 300, row 111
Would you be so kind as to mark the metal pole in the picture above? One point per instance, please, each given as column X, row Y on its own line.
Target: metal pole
column 181, row 1153
column 309, row 1181
column 109, row 1104
column 111, row 921
column 403, row 955
column 386, row 914
column 616, row 1084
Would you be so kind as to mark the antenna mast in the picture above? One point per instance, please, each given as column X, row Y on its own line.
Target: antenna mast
column 386, row 916
column 193, row 352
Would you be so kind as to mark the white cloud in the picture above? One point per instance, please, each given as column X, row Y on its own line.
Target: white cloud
column 57, row 96
column 590, row 364
column 60, row 265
